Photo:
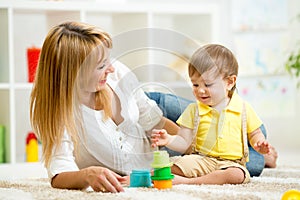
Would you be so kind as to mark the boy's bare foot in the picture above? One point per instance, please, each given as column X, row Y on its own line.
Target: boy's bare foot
column 270, row 159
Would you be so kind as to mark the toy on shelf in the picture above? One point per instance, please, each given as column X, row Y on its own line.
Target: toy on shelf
column 140, row 178
column 32, row 148
column 162, row 178
column 33, row 55
column 2, row 144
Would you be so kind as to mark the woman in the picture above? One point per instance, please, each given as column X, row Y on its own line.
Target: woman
column 89, row 114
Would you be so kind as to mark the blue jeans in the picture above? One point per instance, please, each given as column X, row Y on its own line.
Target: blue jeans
column 172, row 106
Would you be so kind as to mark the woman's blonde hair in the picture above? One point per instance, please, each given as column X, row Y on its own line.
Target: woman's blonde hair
column 69, row 54
column 216, row 57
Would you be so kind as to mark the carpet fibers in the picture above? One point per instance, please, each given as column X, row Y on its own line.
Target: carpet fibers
column 270, row 185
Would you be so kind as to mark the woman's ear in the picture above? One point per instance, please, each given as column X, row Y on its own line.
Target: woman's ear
column 231, row 80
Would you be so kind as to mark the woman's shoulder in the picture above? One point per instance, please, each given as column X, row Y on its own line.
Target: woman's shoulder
column 122, row 72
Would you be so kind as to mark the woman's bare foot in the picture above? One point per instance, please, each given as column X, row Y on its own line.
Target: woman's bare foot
column 271, row 158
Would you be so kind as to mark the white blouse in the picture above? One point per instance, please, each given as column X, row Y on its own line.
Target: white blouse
column 122, row 147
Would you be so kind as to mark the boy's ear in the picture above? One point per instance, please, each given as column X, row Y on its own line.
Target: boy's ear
column 231, row 80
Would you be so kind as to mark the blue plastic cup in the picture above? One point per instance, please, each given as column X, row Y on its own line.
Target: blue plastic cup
column 140, row 178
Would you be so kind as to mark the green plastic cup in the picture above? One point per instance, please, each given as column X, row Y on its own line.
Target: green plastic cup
column 162, row 174
column 161, row 159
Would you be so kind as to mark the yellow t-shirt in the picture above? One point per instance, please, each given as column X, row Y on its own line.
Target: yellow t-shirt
column 220, row 134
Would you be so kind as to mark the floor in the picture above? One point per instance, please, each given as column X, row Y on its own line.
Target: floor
column 34, row 170
column 289, row 157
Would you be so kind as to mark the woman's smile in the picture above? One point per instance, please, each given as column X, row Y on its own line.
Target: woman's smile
column 102, row 82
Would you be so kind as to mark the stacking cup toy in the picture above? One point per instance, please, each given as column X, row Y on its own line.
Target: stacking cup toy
column 140, row 178
column 162, row 177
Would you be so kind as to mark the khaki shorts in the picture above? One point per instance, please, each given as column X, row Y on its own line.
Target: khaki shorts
column 196, row 165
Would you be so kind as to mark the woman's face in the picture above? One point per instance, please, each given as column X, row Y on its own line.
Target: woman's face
column 97, row 80
column 209, row 89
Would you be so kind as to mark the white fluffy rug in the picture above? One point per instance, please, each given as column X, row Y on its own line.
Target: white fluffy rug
column 270, row 185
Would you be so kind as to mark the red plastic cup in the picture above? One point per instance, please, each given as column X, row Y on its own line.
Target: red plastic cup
column 33, row 54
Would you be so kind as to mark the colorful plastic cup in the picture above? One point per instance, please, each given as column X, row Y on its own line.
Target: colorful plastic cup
column 162, row 184
column 161, row 159
column 163, row 173
column 291, row 195
column 140, row 178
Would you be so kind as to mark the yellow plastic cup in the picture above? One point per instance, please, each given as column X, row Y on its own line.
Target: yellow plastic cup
column 291, row 195
column 162, row 184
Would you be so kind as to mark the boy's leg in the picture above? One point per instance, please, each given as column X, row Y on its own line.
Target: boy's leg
column 207, row 170
column 271, row 159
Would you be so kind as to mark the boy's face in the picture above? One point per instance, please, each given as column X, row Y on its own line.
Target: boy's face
column 210, row 89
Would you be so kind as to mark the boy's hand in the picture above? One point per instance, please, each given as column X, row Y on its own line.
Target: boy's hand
column 159, row 137
column 262, row 147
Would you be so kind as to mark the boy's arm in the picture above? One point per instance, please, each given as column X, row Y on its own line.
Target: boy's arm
column 182, row 141
column 258, row 142
column 171, row 127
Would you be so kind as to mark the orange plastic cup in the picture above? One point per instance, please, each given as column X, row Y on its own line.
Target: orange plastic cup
column 162, row 184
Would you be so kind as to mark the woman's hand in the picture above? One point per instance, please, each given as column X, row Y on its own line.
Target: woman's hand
column 104, row 180
column 159, row 137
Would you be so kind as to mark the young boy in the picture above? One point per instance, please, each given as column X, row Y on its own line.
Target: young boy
column 214, row 124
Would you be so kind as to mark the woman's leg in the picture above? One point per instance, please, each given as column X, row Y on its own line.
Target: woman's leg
column 171, row 105
column 256, row 162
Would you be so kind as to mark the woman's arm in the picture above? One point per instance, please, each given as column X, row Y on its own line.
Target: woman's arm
column 99, row 178
column 65, row 173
